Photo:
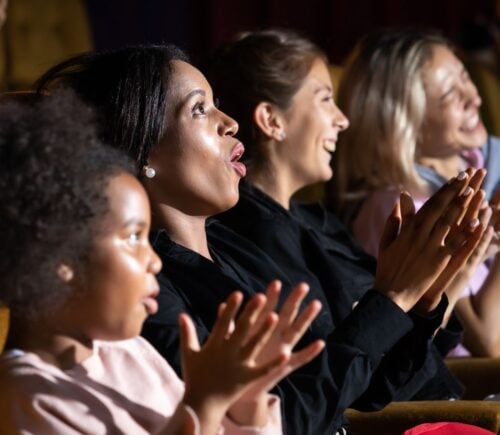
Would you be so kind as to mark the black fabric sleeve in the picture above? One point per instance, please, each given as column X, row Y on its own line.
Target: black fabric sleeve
column 412, row 368
column 449, row 337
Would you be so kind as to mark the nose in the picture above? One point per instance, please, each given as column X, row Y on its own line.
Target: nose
column 471, row 95
column 339, row 119
column 155, row 264
column 227, row 126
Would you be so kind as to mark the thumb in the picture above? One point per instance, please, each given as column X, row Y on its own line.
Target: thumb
column 391, row 228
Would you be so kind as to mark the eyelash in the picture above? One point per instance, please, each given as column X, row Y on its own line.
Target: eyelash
column 134, row 239
column 328, row 99
column 199, row 109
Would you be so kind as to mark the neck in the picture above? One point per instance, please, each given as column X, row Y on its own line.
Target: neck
column 447, row 167
column 188, row 231
column 51, row 344
column 274, row 180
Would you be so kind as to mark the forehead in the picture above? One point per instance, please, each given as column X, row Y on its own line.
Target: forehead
column 127, row 200
column 185, row 79
column 442, row 67
column 317, row 78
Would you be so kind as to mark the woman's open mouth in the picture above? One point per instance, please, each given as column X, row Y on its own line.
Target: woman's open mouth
column 236, row 155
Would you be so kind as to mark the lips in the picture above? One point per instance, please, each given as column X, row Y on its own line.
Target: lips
column 150, row 303
column 236, row 154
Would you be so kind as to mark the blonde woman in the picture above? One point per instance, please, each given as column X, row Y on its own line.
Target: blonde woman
column 415, row 122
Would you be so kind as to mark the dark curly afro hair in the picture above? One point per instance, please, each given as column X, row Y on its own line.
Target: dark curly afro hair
column 53, row 175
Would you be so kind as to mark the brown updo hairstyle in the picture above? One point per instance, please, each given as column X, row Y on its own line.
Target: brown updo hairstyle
column 267, row 65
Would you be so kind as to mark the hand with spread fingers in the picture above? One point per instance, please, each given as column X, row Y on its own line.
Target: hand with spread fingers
column 420, row 253
column 244, row 358
column 291, row 326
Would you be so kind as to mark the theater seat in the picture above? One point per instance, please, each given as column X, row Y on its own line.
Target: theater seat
column 38, row 34
column 397, row 417
column 4, row 326
column 480, row 376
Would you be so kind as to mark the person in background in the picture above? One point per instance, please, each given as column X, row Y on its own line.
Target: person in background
column 415, row 122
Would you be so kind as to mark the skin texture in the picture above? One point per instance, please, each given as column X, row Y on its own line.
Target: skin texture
column 452, row 123
column 119, row 288
column 114, row 297
column 298, row 142
column 197, row 135
column 432, row 245
column 314, row 122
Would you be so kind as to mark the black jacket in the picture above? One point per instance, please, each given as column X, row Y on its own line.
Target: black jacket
column 362, row 365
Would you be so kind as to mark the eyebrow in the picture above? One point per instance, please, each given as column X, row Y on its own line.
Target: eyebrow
column 323, row 88
column 134, row 221
column 193, row 93
column 451, row 88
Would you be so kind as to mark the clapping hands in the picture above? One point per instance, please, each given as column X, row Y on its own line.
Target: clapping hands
column 420, row 253
column 246, row 356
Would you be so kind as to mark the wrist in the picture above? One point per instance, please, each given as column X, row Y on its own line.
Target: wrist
column 399, row 299
column 250, row 411
column 210, row 410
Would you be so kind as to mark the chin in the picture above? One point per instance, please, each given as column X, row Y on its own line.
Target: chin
column 325, row 175
column 229, row 204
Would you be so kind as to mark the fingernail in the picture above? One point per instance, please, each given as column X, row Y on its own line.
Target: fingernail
column 462, row 176
column 474, row 223
column 484, row 204
column 468, row 191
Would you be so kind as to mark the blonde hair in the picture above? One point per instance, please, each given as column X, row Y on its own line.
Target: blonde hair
column 382, row 94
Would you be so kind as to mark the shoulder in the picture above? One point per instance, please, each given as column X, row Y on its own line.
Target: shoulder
column 34, row 394
column 233, row 241
column 491, row 148
column 24, row 371
column 491, row 155
column 135, row 355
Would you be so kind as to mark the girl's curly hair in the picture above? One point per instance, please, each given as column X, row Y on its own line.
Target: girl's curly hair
column 53, row 174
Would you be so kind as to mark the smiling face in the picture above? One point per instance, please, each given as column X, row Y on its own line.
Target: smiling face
column 197, row 161
column 312, row 125
column 119, row 288
column 452, row 123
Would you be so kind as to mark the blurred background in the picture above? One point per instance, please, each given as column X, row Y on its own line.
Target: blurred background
column 39, row 33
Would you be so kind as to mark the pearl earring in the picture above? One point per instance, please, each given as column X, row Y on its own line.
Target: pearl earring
column 282, row 135
column 148, row 171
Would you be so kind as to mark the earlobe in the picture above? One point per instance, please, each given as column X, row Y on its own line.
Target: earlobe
column 65, row 272
column 268, row 120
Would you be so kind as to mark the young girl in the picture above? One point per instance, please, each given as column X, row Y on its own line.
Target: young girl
column 160, row 108
column 78, row 274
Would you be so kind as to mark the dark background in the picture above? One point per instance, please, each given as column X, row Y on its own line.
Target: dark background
column 199, row 26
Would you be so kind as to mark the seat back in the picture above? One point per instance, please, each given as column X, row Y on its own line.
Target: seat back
column 38, row 34
column 4, row 326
